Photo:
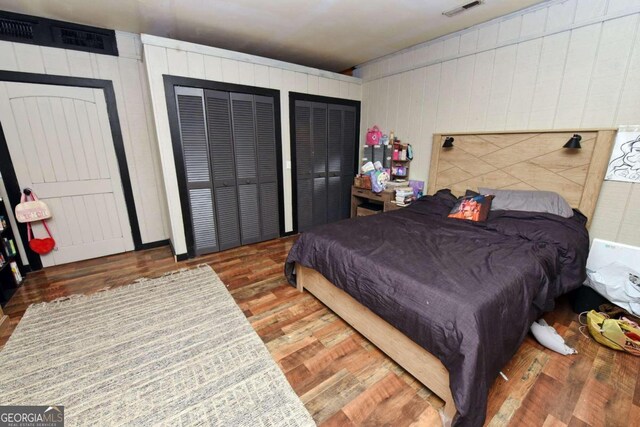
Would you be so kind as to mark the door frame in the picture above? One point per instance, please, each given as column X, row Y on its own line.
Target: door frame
column 297, row 96
column 170, row 82
column 8, row 172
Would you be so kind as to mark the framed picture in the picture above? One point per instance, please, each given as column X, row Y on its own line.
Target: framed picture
column 624, row 164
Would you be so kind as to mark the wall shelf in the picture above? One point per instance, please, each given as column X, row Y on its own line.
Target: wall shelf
column 8, row 282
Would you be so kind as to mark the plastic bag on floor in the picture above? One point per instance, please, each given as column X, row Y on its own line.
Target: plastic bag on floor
column 616, row 334
column 618, row 283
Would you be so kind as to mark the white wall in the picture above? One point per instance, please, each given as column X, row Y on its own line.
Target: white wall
column 561, row 64
column 134, row 110
column 166, row 56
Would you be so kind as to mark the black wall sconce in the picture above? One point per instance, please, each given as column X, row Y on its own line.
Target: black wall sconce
column 573, row 142
column 448, row 142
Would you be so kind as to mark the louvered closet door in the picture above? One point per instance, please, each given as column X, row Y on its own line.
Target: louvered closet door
column 221, row 153
column 334, row 165
column 244, row 136
column 304, row 169
column 348, row 171
column 319, row 143
column 267, row 167
column 195, row 149
column 325, row 141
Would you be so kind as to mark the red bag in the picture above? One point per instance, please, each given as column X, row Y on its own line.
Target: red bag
column 41, row 246
column 373, row 136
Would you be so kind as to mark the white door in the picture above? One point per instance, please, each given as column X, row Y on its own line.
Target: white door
column 61, row 146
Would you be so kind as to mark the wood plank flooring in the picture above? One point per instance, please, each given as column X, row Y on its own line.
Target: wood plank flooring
column 342, row 379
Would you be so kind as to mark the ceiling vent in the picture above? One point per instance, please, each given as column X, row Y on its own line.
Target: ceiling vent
column 462, row 8
column 19, row 28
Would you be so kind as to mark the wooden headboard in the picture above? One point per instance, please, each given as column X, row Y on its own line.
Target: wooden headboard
column 524, row 160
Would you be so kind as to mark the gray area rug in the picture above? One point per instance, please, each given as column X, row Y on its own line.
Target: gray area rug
column 176, row 350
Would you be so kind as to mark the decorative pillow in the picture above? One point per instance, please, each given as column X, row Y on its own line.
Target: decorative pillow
column 472, row 208
column 532, row 201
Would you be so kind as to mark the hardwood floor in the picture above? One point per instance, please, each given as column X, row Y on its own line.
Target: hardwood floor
column 342, row 379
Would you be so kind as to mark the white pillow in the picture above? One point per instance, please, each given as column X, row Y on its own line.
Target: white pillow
column 532, row 201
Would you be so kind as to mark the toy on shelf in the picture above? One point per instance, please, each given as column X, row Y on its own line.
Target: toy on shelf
column 400, row 160
column 388, row 151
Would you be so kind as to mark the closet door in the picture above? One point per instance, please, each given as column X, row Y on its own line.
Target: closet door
column 334, row 164
column 223, row 167
column 348, row 170
column 325, row 138
column 195, row 149
column 244, row 136
column 267, row 167
column 319, row 144
column 304, row 165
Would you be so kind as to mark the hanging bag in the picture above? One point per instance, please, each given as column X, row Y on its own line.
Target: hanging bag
column 409, row 152
column 35, row 210
column 373, row 136
column 32, row 210
column 41, row 246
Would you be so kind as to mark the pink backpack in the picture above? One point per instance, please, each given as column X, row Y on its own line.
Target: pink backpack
column 373, row 136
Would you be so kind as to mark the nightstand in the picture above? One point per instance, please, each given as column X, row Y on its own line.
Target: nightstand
column 365, row 202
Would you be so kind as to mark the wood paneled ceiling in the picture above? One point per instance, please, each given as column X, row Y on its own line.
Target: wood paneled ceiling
column 327, row 34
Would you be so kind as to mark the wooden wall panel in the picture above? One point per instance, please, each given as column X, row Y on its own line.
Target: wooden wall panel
column 557, row 65
column 627, row 109
column 548, row 81
column 609, row 70
column 245, row 73
column 525, row 76
column 261, row 75
column 501, row 86
column 28, row 58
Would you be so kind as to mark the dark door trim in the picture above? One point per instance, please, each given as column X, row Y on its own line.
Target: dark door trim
column 296, row 96
column 169, row 83
column 6, row 166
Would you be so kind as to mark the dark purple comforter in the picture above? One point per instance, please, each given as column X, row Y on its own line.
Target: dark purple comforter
column 467, row 292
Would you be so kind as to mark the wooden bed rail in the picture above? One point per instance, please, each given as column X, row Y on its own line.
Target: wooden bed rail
column 424, row 366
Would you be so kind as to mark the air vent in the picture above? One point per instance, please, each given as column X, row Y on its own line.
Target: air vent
column 46, row 32
column 15, row 29
column 79, row 38
column 462, row 8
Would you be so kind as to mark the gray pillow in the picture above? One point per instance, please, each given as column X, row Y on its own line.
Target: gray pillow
column 532, row 201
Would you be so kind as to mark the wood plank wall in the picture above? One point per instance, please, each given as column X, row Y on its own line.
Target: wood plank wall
column 134, row 109
column 561, row 64
column 166, row 56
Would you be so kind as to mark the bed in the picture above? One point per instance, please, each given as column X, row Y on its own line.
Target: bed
column 449, row 300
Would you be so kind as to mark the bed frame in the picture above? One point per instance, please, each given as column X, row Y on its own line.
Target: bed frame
column 534, row 160
column 524, row 160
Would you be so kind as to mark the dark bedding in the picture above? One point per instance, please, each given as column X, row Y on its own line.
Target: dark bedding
column 467, row 292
